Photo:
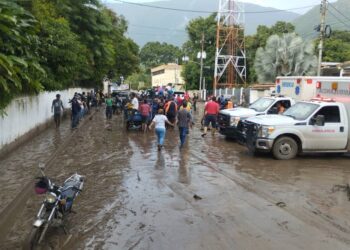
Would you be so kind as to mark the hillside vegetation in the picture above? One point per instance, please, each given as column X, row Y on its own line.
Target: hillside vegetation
column 306, row 23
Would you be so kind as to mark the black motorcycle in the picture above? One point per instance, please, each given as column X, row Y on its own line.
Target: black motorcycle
column 57, row 204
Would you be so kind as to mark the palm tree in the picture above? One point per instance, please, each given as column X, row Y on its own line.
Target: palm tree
column 285, row 55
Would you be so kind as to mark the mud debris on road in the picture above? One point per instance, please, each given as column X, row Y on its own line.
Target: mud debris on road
column 210, row 195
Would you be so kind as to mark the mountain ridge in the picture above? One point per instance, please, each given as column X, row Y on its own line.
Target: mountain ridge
column 148, row 24
column 306, row 23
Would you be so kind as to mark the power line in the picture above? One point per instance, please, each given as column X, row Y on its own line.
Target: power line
column 339, row 12
column 151, row 34
column 209, row 12
column 341, row 21
column 156, row 28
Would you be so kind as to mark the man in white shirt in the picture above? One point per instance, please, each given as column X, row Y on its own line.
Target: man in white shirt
column 134, row 102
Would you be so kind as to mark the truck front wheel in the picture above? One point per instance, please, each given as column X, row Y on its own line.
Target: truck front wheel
column 285, row 148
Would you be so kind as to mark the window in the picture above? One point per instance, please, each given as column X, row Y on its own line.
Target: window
column 286, row 104
column 330, row 113
column 261, row 104
column 301, row 110
column 159, row 72
column 275, row 108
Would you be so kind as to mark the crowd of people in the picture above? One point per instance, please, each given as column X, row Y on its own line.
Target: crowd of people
column 167, row 111
column 81, row 104
column 162, row 112
column 159, row 110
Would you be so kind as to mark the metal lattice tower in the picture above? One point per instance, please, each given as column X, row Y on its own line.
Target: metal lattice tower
column 230, row 59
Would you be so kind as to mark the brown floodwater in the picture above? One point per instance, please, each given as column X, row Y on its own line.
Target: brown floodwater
column 212, row 194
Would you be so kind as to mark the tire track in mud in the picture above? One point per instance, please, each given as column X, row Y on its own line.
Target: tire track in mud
column 16, row 207
column 217, row 222
column 312, row 217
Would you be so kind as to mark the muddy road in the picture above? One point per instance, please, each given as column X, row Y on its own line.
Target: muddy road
column 210, row 195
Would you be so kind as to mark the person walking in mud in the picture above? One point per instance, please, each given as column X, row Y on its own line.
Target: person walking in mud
column 98, row 99
column 184, row 122
column 159, row 122
column 195, row 100
column 57, row 108
column 211, row 112
column 109, row 107
column 145, row 110
column 75, row 112
column 171, row 110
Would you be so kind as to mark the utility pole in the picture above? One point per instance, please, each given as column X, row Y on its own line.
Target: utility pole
column 201, row 74
column 176, row 67
column 322, row 35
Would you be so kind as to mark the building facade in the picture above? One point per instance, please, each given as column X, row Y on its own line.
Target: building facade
column 168, row 73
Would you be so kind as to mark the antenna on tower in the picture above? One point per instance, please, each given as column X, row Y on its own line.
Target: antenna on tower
column 230, row 58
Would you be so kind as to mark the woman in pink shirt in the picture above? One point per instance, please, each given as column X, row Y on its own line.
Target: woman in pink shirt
column 145, row 111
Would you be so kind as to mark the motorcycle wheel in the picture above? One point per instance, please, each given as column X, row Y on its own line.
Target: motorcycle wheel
column 34, row 236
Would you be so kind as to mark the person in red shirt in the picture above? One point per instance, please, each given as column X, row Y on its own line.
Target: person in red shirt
column 145, row 111
column 211, row 112
column 179, row 101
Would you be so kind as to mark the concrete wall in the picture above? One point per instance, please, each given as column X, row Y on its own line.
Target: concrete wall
column 26, row 113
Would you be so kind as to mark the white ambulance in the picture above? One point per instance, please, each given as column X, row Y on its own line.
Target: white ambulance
column 319, row 125
column 298, row 88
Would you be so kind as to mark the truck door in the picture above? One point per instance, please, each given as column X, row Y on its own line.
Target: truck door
column 331, row 136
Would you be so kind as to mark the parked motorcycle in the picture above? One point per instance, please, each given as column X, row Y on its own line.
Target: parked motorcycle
column 57, row 204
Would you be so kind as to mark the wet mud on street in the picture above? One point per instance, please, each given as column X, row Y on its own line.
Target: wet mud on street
column 212, row 194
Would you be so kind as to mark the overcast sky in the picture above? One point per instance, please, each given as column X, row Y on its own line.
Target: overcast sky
column 278, row 4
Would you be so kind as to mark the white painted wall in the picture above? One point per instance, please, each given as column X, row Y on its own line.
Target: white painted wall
column 25, row 113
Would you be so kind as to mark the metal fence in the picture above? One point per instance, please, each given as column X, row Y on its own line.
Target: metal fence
column 240, row 96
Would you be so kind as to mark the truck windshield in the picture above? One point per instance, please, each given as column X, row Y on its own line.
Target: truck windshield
column 261, row 104
column 301, row 110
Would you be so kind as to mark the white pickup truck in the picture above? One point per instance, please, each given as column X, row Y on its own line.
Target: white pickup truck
column 229, row 119
column 320, row 125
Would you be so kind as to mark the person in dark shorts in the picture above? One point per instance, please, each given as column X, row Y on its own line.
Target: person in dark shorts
column 57, row 108
column 184, row 122
column 145, row 111
column 211, row 109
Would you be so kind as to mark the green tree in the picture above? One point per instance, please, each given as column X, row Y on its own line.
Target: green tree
column 140, row 77
column 196, row 29
column 20, row 71
column 285, row 55
column 90, row 20
column 155, row 53
column 258, row 40
column 62, row 55
column 337, row 47
column 56, row 44
column 126, row 58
